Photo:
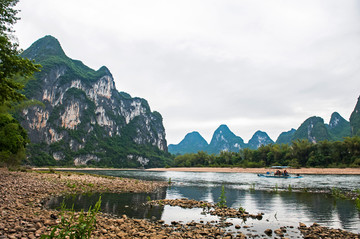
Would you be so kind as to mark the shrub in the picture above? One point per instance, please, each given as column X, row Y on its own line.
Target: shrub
column 222, row 198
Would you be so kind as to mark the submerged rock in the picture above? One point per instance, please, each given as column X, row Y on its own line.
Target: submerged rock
column 268, row 232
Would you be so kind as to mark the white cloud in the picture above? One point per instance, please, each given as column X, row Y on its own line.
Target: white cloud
column 251, row 64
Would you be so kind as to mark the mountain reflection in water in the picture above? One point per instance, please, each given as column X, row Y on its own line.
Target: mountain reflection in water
column 130, row 204
column 281, row 207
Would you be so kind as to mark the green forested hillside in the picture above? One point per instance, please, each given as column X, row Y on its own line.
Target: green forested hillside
column 285, row 137
column 313, row 129
column 355, row 120
column 192, row 143
column 338, row 128
column 301, row 153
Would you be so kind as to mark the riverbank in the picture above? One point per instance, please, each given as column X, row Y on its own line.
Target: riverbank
column 22, row 196
column 342, row 171
column 23, row 215
column 322, row 171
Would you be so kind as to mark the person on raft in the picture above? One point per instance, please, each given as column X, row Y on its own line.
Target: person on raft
column 279, row 173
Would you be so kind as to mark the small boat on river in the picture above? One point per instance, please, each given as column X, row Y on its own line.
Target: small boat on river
column 278, row 176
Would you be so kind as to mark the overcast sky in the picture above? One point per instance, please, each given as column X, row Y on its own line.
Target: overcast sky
column 251, row 64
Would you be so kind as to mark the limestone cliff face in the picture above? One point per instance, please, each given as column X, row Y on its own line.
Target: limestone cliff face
column 355, row 120
column 83, row 112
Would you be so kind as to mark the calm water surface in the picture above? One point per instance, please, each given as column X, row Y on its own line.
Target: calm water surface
column 281, row 208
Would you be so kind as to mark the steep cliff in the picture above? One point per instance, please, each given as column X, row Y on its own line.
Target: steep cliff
column 84, row 119
column 355, row 120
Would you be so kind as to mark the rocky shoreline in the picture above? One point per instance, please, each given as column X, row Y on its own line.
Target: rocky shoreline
column 22, row 214
column 22, row 195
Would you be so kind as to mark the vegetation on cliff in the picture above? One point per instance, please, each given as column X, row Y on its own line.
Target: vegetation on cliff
column 85, row 120
column 355, row 120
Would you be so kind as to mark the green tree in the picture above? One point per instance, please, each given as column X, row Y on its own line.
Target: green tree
column 301, row 150
column 11, row 63
column 321, row 154
column 13, row 139
column 12, row 68
column 200, row 159
column 352, row 145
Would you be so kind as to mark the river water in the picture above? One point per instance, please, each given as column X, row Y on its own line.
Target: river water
column 284, row 202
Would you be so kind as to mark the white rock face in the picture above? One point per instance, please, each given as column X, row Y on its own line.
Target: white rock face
column 334, row 123
column 261, row 141
column 103, row 87
column 58, row 156
column 40, row 119
column 101, row 117
column 83, row 159
column 54, row 136
column 49, row 96
column 76, row 145
column 71, row 117
column 107, row 109
column 137, row 110
column 311, row 139
column 76, row 84
column 142, row 160
column 160, row 141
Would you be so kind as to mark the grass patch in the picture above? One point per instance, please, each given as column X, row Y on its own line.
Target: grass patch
column 75, row 226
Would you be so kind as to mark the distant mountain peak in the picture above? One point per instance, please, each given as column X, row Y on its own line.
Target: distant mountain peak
column 313, row 129
column 194, row 136
column 258, row 139
column 286, row 137
column 44, row 47
column 335, row 120
column 105, row 69
column 225, row 140
column 338, row 127
column 221, row 131
column 223, row 127
column 192, row 143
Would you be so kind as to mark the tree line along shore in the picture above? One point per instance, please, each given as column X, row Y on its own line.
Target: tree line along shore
column 300, row 153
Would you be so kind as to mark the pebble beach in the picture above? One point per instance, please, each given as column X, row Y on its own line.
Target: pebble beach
column 23, row 215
